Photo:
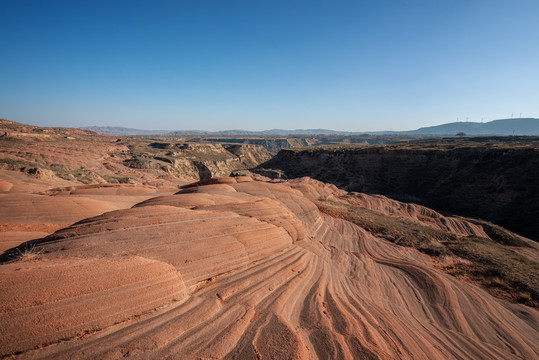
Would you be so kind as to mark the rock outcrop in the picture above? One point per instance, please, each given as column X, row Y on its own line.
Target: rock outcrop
column 85, row 157
column 193, row 161
column 238, row 268
column 31, row 208
column 271, row 144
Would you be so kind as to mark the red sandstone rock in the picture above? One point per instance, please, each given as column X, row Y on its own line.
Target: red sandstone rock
column 260, row 273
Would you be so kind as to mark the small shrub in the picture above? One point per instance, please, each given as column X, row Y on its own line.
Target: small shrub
column 28, row 252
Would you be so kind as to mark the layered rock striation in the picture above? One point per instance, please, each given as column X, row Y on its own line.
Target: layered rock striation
column 243, row 267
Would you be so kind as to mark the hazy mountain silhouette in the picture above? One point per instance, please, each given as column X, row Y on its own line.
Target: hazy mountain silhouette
column 519, row 126
column 123, row 131
column 502, row 127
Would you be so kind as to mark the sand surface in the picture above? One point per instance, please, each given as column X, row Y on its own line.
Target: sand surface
column 235, row 268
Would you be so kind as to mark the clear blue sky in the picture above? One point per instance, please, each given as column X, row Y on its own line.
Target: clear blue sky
column 213, row 65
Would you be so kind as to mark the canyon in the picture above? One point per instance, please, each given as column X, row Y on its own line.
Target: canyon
column 145, row 247
column 87, row 157
column 492, row 178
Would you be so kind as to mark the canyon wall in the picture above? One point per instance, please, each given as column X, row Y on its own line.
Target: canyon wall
column 495, row 181
column 274, row 144
column 271, row 144
column 88, row 158
column 193, row 161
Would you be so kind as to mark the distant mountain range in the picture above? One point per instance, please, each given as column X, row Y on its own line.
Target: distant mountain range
column 123, row 131
column 519, row 126
column 502, row 127
column 273, row 132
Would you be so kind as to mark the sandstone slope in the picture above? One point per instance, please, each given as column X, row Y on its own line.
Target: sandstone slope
column 240, row 268
column 31, row 208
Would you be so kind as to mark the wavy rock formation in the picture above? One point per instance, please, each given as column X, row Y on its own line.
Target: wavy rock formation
column 237, row 268
column 30, row 209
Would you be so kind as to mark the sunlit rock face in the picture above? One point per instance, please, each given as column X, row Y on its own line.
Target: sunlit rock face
column 244, row 267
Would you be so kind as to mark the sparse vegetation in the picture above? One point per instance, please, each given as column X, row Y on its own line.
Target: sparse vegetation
column 114, row 179
column 16, row 164
column 488, row 263
column 29, row 251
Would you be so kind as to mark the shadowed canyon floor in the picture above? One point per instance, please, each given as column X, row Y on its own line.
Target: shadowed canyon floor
column 247, row 268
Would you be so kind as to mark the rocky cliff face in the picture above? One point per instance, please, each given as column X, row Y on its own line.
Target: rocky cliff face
column 275, row 144
column 271, row 144
column 489, row 178
column 89, row 158
column 194, row 161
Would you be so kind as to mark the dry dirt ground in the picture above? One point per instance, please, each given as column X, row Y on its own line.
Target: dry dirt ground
column 242, row 268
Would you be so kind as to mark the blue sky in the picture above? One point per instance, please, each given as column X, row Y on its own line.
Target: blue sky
column 214, row 65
